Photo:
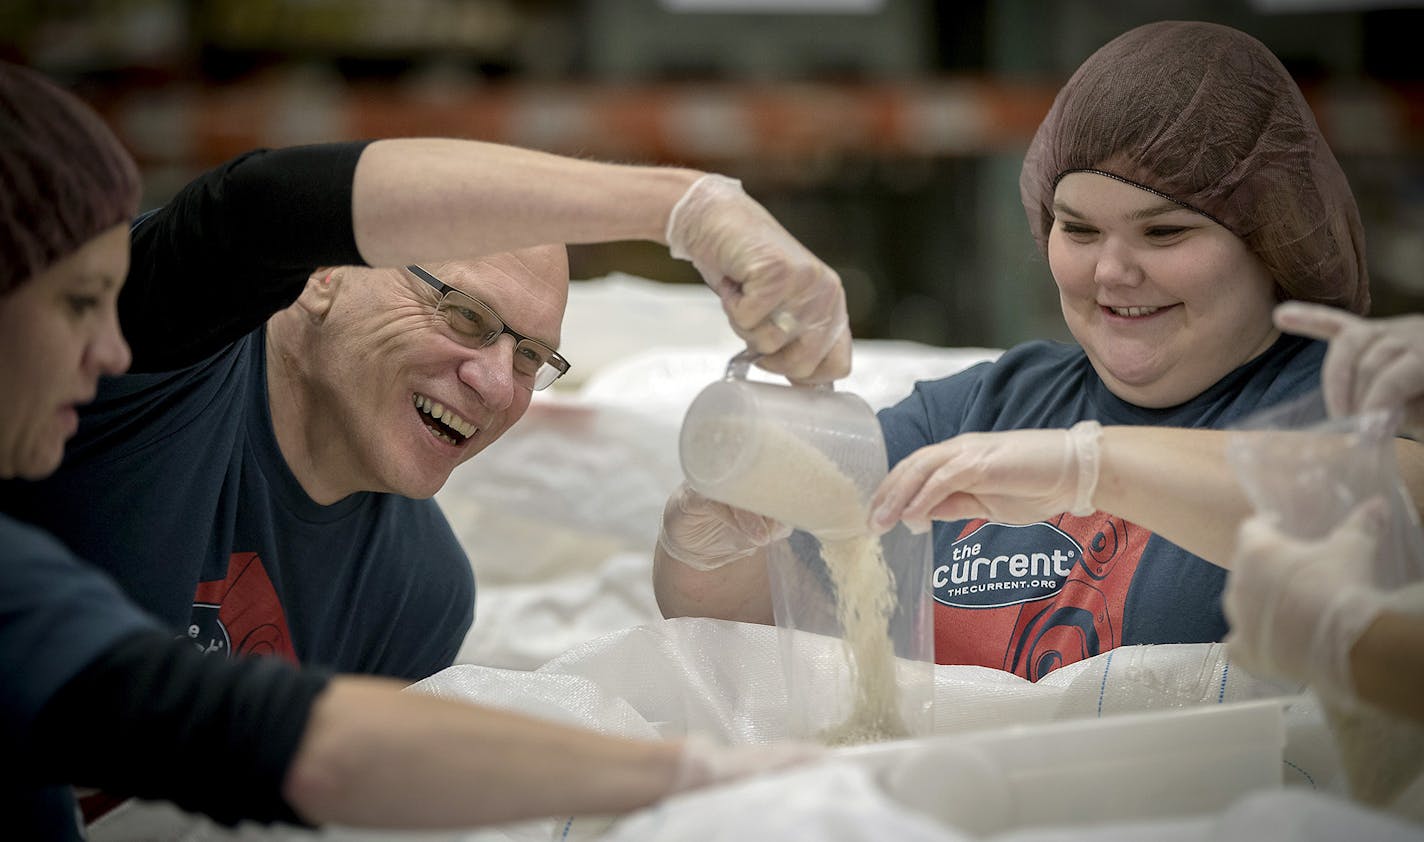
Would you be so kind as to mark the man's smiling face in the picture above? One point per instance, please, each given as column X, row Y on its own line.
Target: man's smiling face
column 397, row 399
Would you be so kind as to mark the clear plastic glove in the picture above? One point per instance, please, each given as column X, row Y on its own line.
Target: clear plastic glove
column 1021, row 476
column 704, row 763
column 705, row 534
column 1371, row 363
column 1296, row 608
column 781, row 299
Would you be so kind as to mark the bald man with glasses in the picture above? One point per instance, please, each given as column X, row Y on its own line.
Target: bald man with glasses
column 322, row 334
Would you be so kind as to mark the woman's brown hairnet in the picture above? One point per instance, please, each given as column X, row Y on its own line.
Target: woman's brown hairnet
column 1207, row 116
column 64, row 177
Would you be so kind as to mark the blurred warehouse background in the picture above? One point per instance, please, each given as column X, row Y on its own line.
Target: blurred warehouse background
column 886, row 135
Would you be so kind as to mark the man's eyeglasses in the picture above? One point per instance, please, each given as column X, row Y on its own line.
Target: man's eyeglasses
column 476, row 325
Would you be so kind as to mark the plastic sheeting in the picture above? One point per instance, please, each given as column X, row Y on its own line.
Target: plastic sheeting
column 719, row 678
column 840, row 803
column 722, row 679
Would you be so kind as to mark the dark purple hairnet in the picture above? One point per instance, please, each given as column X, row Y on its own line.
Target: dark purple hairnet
column 1207, row 116
column 64, row 177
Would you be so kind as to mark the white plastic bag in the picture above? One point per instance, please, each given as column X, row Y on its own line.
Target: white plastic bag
column 1308, row 473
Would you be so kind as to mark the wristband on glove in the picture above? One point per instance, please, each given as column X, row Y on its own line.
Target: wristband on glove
column 707, row 183
column 1085, row 437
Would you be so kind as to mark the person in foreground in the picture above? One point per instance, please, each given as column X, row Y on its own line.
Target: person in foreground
column 321, row 334
column 97, row 693
column 1079, row 494
column 1306, row 610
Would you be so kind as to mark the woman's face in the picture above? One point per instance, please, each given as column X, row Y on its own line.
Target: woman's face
column 1164, row 301
column 59, row 331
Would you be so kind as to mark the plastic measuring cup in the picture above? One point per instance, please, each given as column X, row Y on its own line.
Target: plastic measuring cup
column 812, row 457
column 809, row 457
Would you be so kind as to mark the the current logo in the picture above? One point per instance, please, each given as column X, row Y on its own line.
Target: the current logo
column 206, row 630
column 240, row 614
column 1001, row 564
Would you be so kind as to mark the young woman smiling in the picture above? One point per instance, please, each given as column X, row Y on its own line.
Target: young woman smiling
column 1180, row 189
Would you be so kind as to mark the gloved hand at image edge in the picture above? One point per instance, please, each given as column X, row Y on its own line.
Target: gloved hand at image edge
column 1018, row 476
column 779, row 297
column 1297, row 607
column 1371, row 364
column 704, row 534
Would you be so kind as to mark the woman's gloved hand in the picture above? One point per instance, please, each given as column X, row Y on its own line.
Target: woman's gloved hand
column 705, row 534
column 1297, row 607
column 780, row 298
column 704, row 763
column 1020, row 476
column 1371, row 363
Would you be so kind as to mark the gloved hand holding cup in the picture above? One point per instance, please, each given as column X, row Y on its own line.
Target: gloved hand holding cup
column 704, row 534
column 787, row 304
